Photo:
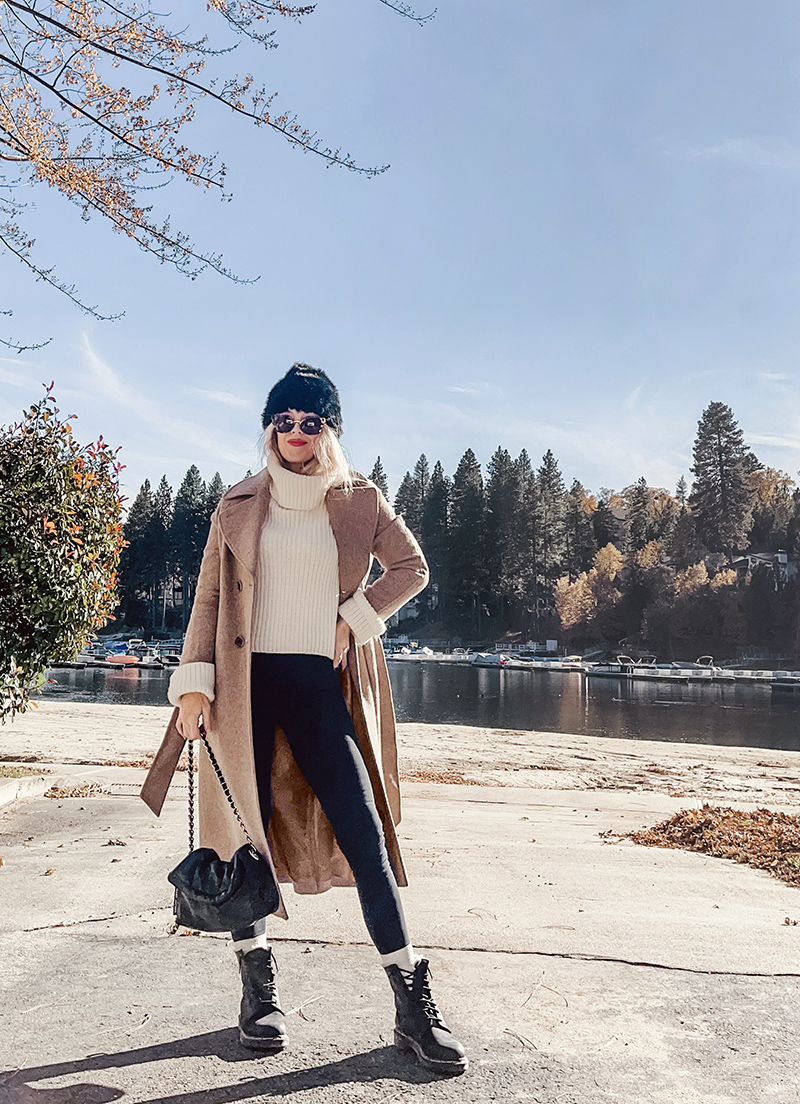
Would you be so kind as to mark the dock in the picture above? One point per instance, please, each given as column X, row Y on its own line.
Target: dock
column 623, row 669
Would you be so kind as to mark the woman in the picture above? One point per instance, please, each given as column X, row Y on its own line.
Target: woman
column 283, row 663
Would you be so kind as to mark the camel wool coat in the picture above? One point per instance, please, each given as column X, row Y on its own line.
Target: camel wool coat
column 301, row 846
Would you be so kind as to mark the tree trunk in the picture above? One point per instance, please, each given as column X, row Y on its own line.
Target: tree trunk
column 185, row 602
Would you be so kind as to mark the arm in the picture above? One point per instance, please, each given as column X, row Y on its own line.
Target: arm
column 405, row 573
column 191, row 686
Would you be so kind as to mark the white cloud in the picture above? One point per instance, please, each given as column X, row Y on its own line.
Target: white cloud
column 14, row 379
column 159, row 417
column 224, row 397
column 633, row 399
column 777, row 381
column 773, row 439
column 474, row 386
column 747, row 151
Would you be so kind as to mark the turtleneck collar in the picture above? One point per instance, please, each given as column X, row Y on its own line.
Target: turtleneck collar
column 293, row 491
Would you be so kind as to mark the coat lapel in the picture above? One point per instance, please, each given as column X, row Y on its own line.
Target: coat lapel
column 351, row 521
column 242, row 514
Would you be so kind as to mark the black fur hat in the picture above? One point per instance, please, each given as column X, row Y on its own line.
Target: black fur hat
column 305, row 388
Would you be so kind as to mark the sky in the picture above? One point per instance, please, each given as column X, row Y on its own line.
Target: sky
column 589, row 230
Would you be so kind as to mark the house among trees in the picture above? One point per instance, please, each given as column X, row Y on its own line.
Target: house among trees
column 620, row 516
column 783, row 569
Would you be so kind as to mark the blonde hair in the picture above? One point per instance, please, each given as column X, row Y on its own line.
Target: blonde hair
column 329, row 458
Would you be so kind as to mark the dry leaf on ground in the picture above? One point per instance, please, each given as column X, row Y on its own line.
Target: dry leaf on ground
column 448, row 777
column 762, row 838
column 16, row 770
column 89, row 789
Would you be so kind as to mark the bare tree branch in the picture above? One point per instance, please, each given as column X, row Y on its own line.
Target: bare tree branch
column 68, row 120
column 46, row 275
column 407, row 11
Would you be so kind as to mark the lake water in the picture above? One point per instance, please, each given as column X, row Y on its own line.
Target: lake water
column 739, row 715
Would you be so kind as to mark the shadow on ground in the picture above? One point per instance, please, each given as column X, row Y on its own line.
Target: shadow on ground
column 379, row 1064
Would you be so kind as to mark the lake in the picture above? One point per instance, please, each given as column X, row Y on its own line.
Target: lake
column 738, row 715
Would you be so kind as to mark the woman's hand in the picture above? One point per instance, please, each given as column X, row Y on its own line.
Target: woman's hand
column 192, row 707
column 342, row 645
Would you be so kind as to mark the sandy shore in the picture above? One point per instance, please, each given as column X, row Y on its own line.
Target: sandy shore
column 77, row 732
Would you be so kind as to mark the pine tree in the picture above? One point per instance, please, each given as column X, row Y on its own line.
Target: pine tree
column 527, row 537
column 422, row 477
column 410, row 498
column 686, row 548
column 773, row 508
column 135, row 569
column 581, row 541
column 681, row 493
column 216, row 489
column 639, row 519
column 550, row 525
column 503, row 559
column 434, row 531
column 378, row 477
column 189, row 530
column 158, row 538
column 604, row 523
column 405, row 502
column 467, row 541
column 140, row 512
column 721, row 498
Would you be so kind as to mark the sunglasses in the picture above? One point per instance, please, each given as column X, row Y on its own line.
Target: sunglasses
column 311, row 425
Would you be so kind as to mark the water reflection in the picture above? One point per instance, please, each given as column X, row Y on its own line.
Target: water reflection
column 732, row 714
column 123, row 686
column 743, row 714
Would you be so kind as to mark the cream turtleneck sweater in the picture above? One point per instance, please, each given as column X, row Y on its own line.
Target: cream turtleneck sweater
column 295, row 606
column 297, row 586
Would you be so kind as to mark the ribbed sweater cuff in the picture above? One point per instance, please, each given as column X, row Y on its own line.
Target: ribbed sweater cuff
column 192, row 678
column 361, row 617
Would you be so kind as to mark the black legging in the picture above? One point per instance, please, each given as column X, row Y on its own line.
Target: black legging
column 303, row 695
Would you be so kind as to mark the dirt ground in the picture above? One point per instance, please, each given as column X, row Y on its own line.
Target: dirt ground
column 70, row 732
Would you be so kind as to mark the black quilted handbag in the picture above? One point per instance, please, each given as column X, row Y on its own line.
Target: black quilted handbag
column 214, row 895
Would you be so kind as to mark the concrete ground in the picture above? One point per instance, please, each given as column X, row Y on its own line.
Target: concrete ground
column 575, row 968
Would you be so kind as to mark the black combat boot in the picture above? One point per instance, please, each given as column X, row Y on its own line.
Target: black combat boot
column 420, row 1026
column 262, row 1025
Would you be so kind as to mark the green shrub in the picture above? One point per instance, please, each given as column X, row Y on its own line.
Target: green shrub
column 60, row 542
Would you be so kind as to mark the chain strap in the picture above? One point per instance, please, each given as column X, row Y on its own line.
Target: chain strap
column 190, row 753
column 223, row 784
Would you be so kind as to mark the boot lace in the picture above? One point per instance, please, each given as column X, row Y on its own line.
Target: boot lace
column 423, row 994
column 267, row 992
column 264, row 983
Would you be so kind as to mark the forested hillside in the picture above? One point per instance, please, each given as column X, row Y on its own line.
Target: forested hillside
column 516, row 554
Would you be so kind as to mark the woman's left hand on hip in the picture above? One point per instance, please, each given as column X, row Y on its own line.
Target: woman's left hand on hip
column 342, row 645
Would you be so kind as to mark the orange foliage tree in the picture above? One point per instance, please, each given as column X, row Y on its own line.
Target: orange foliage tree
column 95, row 99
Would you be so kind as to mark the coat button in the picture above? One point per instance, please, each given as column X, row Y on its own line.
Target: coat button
column 239, row 642
column 238, row 584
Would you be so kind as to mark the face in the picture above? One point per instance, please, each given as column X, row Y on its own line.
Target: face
column 295, row 447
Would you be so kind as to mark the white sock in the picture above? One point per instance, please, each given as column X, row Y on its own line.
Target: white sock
column 245, row 945
column 406, row 958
